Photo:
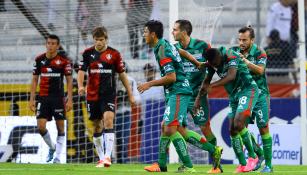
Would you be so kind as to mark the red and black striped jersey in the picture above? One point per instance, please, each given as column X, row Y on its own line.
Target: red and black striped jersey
column 51, row 72
column 101, row 68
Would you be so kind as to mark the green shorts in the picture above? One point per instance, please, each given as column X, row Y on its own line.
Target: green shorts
column 261, row 111
column 202, row 117
column 176, row 110
column 243, row 101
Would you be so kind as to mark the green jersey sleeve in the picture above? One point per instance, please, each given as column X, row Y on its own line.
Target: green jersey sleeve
column 262, row 58
column 166, row 60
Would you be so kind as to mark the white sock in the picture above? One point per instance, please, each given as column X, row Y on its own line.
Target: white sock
column 48, row 141
column 109, row 141
column 59, row 146
column 98, row 142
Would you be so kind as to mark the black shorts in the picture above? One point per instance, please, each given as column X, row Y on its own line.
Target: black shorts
column 97, row 108
column 48, row 107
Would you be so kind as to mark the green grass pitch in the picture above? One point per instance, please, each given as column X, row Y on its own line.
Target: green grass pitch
column 121, row 169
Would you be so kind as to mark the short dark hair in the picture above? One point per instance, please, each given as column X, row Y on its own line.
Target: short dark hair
column 250, row 29
column 155, row 26
column 211, row 54
column 149, row 67
column 100, row 32
column 274, row 35
column 52, row 36
column 185, row 25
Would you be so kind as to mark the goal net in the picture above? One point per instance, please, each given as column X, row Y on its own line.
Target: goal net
column 22, row 29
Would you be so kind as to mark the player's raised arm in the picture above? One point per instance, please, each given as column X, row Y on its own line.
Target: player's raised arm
column 231, row 75
column 189, row 57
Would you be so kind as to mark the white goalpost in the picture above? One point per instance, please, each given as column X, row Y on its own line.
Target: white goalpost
column 302, row 58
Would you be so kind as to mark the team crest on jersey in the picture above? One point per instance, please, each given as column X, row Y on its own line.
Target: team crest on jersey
column 108, row 56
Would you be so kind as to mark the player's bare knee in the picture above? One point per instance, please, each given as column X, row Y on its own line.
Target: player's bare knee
column 264, row 130
column 170, row 130
column 182, row 131
column 108, row 123
column 42, row 130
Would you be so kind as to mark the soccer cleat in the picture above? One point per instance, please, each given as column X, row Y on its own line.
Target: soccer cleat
column 180, row 168
column 240, row 169
column 100, row 164
column 107, row 162
column 153, row 168
column 267, row 169
column 217, row 157
column 259, row 163
column 56, row 160
column 184, row 169
column 251, row 163
column 215, row 171
column 50, row 155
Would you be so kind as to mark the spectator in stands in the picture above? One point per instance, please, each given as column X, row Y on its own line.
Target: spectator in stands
column 123, row 117
column 51, row 15
column 279, row 18
column 81, row 18
column 138, row 13
column 279, row 57
column 156, row 92
column 88, row 16
column 2, row 6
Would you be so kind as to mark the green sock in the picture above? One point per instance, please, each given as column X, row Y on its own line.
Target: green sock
column 258, row 150
column 197, row 140
column 237, row 147
column 181, row 149
column 163, row 145
column 267, row 149
column 246, row 138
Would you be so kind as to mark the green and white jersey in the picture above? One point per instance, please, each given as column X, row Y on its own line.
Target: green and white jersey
column 195, row 76
column 231, row 59
column 169, row 61
column 257, row 56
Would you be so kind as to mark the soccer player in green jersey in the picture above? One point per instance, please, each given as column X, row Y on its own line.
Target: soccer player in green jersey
column 177, row 93
column 243, row 95
column 181, row 31
column 255, row 59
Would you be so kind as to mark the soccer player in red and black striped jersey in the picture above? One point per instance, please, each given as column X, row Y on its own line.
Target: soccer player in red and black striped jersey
column 102, row 62
column 50, row 68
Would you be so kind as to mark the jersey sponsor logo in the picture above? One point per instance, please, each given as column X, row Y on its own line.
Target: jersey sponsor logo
column 168, row 68
column 106, row 71
column 221, row 74
column 232, row 63
column 186, row 83
column 58, row 110
column 197, row 55
column 51, row 74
